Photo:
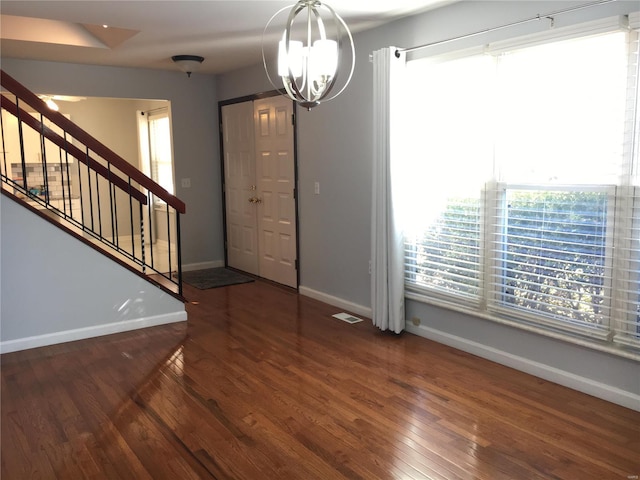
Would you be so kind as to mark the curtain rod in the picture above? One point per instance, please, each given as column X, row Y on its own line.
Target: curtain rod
column 549, row 16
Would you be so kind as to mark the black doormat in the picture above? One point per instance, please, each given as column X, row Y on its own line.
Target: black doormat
column 214, row 277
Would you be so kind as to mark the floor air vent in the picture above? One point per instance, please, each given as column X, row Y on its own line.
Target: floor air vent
column 345, row 317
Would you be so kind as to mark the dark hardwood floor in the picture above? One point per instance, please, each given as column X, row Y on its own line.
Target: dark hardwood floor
column 261, row 383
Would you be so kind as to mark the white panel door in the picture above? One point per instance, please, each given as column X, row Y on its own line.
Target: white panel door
column 240, row 187
column 275, row 175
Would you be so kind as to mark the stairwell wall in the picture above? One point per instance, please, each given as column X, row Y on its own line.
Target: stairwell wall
column 55, row 289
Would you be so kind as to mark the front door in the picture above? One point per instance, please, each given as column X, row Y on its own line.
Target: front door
column 259, row 165
column 240, row 187
column 275, row 172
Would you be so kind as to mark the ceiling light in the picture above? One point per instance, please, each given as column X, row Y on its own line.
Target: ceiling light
column 188, row 63
column 311, row 54
column 52, row 105
column 49, row 101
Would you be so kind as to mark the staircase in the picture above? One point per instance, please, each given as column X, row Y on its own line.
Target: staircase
column 57, row 170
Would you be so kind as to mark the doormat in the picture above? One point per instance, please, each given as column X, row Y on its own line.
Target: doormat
column 214, row 278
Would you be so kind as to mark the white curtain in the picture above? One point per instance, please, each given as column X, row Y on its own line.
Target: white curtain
column 387, row 266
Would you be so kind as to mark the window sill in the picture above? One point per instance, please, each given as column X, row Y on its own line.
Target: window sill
column 607, row 347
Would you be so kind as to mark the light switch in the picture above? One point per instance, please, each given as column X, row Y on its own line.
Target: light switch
column 316, row 188
column 186, row 183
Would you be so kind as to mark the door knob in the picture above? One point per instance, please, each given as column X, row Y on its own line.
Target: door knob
column 255, row 200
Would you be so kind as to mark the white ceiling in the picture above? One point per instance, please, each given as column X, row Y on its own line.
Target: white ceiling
column 144, row 33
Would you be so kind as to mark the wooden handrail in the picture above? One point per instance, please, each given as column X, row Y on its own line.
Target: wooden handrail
column 74, row 151
column 25, row 95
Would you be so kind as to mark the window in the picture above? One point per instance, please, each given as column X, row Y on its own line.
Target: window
column 155, row 145
column 553, row 249
column 525, row 185
column 447, row 257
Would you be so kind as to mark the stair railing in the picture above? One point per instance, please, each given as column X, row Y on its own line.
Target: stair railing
column 55, row 166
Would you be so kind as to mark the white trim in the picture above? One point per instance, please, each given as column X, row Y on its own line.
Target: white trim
column 552, row 374
column 634, row 20
column 90, row 332
column 190, row 267
column 534, row 328
column 336, row 302
column 595, row 27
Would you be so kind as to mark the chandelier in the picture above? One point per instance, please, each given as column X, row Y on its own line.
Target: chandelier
column 310, row 54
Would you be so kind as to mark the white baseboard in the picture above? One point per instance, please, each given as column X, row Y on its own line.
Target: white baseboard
column 90, row 332
column 336, row 302
column 189, row 267
column 552, row 374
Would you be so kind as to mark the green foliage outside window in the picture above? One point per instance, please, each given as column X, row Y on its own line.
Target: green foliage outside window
column 555, row 253
column 549, row 252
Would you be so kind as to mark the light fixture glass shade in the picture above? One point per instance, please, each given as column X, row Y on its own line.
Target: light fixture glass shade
column 291, row 60
column 188, row 63
column 323, row 60
column 315, row 46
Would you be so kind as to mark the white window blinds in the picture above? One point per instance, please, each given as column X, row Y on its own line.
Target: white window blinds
column 525, row 196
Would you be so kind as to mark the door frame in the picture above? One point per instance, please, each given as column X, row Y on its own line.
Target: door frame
column 251, row 98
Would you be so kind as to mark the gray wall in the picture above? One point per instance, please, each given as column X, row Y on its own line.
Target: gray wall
column 55, row 288
column 195, row 133
column 335, row 148
column 335, row 143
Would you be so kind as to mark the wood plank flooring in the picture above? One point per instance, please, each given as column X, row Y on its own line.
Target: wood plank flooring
column 262, row 383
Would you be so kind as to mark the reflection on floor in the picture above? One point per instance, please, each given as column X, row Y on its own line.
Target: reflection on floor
column 261, row 383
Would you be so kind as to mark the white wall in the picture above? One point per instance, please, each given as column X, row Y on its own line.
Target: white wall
column 55, row 288
column 335, row 148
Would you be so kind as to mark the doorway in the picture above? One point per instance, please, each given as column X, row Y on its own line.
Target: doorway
column 259, row 172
